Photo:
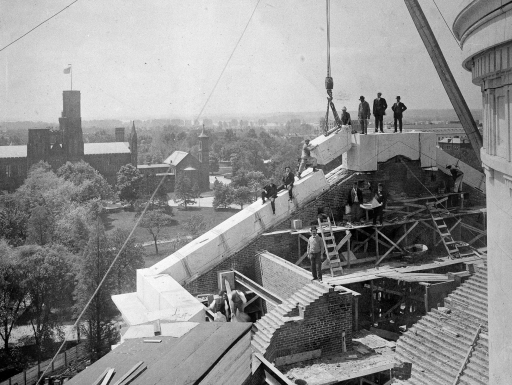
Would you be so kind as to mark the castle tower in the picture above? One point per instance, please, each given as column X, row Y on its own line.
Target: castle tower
column 38, row 146
column 204, row 158
column 71, row 126
column 133, row 145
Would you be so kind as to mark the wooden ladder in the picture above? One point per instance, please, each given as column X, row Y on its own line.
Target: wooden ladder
column 331, row 251
column 446, row 237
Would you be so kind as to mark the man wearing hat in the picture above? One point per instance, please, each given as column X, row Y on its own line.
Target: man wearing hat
column 379, row 110
column 398, row 109
column 315, row 251
column 363, row 115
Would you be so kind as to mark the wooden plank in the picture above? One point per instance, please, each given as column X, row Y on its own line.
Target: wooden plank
column 100, row 378
column 298, row 357
column 108, row 376
column 275, row 373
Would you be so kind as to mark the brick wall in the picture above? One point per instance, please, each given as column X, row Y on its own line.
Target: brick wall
column 281, row 277
column 324, row 322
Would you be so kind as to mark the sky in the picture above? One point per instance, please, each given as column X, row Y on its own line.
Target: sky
column 137, row 59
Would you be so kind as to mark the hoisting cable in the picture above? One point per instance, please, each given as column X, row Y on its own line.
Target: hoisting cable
column 447, row 26
column 329, row 83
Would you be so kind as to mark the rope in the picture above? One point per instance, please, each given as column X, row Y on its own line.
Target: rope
column 456, row 41
column 229, row 59
column 37, row 26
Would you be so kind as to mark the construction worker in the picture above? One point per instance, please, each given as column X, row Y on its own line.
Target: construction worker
column 315, row 251
column 457, row 176
column 220, row 307
column 270, row 192
column 354, row 200
column 237, row 303
column 306, row 158
column 363, row 115
column 380, row 198
column 345, row 117
column 288, row 179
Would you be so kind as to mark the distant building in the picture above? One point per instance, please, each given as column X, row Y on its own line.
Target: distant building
column 197, row 170
column 66, row 144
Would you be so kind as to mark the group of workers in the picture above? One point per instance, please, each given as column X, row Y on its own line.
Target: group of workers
column 364, row 114
column 229, row 308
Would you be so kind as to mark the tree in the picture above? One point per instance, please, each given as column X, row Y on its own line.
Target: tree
column 196, row 225
column 71, row 228
column 252, row 133
column 12, row 293
column 97, row 324
column 40, row 226
column 214, row 163
column 128, row 183
column 242, row 195
column 13, row 220
column 223, row 195
column 131, row 258
column 185, row 193
column 91, row 183
column 153, row 221
column 48, row 280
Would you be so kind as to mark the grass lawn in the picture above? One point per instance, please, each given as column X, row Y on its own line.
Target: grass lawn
column 126, row 220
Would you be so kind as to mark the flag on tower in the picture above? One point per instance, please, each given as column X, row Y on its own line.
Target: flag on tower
column 67, row 70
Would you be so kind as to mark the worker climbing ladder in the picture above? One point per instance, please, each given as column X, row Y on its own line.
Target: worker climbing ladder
column 333, row 257
column 444, row 232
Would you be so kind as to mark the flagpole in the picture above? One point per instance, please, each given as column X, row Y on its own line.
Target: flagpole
column 71, row 72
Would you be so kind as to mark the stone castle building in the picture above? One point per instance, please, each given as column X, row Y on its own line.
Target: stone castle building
column 66, row 144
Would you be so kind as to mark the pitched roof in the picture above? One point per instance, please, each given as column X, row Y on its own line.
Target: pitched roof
column 176, row 157
column 13, row 151
column 106, row 148
column 183, row 357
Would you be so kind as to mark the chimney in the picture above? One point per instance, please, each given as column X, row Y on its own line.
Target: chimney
column 119, row 134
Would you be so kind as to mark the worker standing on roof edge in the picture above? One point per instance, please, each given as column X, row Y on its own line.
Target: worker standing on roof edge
column 315, row 251
column 457, row 176
column 379, row 110
column 363, row 115
column 270, row 192
column 398, row 109
column 306, row 158
column 237, row 303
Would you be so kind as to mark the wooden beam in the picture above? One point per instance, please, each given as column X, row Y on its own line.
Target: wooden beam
column 301, row 258
column 389, row 240
column 400, row 240
column 343, row 241
column 476, row 238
